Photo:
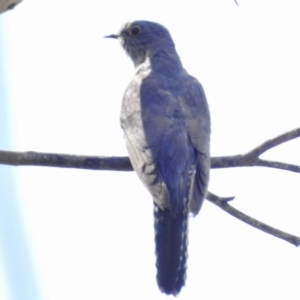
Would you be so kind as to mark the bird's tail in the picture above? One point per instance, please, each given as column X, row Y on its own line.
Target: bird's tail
column 171, row 249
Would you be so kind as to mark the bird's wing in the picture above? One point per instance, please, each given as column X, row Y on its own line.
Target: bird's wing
column 197, row 121
column 143, row 156
column 158, row 144
column 135, row 121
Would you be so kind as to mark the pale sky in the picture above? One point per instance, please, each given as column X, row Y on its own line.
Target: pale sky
column 82, row 234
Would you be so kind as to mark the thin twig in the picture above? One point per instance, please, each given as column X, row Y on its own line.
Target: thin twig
column 267, row 145
column 278, row 165
column 251, row 158
column 223, row 204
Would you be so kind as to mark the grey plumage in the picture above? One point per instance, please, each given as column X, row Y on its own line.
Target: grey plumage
column 166, row 123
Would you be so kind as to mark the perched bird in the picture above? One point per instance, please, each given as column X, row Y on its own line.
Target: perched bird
column 166, row 123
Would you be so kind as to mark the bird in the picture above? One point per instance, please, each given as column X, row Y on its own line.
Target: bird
column 166, row 123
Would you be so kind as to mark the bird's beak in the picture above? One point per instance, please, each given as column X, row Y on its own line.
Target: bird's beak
column 112, row 36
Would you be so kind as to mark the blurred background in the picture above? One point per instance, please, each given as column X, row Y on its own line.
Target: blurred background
column 80, row 234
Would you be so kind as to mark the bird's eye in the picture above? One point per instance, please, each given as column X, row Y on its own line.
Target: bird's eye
column 135, row 31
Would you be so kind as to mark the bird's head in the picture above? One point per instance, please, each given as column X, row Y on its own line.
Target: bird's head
column 142, row 39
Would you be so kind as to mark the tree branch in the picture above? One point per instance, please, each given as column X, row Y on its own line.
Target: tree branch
column 32, row 158
column 8, row 4
column 249, row 159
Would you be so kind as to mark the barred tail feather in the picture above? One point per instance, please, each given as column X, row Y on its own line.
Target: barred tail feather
column 171, row 249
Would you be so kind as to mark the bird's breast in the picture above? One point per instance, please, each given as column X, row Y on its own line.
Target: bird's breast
column 131, row 103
